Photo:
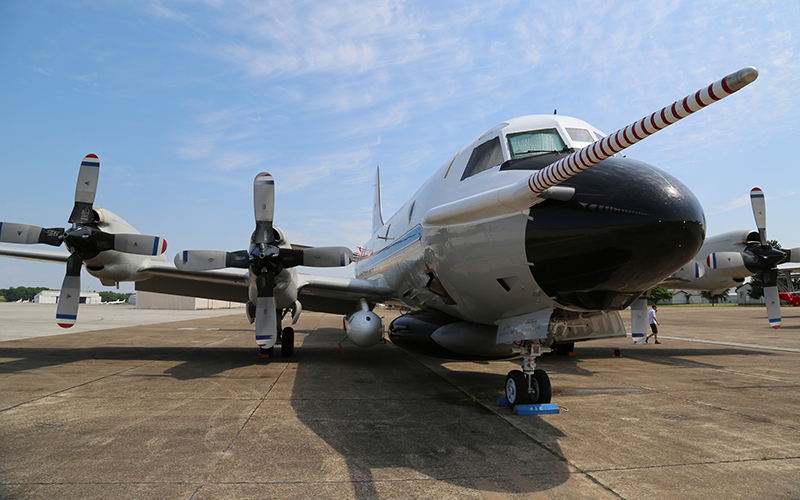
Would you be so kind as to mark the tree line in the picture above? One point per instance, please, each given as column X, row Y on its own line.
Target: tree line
column 14, row 294
column 23, row 293
column 113, row 297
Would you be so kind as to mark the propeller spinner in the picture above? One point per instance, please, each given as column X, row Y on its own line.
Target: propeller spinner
column 265, row 259
column 85, row 240
column 762, row 259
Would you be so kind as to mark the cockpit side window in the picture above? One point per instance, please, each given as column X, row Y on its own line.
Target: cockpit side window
column 580, row 137
column 487, row 155
column 534, row 143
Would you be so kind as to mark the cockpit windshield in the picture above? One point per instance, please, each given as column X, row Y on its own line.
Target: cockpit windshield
column 534, row 143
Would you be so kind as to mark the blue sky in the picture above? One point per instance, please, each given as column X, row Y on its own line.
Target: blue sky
column 186, row 101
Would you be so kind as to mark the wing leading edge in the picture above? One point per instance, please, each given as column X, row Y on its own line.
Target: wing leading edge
column 331, row 294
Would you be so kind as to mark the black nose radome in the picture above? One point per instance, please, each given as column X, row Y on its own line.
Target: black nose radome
column 629, row 226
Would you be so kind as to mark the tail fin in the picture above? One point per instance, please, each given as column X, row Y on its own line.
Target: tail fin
column 377, row 215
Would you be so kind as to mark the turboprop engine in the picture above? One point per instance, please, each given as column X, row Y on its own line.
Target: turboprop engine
column 364, row 328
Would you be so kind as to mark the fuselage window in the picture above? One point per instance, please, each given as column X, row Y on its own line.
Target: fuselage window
column 484, row 157
column 534, row 143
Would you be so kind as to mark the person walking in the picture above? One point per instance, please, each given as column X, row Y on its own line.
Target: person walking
column 653, row 320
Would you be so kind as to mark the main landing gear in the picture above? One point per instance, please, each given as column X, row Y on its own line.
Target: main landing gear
column 285, row 340
column 529, row 386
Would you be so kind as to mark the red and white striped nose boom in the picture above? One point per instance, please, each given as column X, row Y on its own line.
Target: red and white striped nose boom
column 529, row 191
column 635, row 132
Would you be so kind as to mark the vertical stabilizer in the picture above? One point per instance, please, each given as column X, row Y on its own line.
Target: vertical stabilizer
column 377, row 215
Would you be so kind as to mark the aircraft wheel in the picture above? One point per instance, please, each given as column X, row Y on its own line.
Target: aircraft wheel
column 516, row 388
column 541, row 387
column 265, row 353
column 287, row 342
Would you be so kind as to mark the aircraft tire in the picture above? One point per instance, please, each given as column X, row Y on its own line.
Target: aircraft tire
column 541, row 385
column 287, row 342
column 516, row 388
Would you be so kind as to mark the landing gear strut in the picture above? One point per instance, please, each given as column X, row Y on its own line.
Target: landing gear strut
column 529, row 386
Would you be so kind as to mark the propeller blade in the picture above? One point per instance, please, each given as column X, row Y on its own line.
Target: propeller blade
column 206, row 260
column 327, row 257
column 316, row 257
column 759, row 212
column 140, row 244
column 793, row 255
column 691, row 270
column 85, row 190
column 773, row 306
column 264, row 208
column 67, row 310
column 266, row 316
column 25, row 234
column 725, row 260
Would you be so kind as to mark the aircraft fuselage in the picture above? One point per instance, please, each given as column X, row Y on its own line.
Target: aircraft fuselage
column 627, row 226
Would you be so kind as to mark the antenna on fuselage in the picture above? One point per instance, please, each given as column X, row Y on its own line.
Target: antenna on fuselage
column 377, row 213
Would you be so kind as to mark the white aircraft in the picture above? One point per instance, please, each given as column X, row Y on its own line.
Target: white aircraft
column 725, row 260
column 118, row 301
column 515, row 245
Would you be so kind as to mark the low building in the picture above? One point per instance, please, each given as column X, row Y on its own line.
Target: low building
column 51, row 297
column 743, row 299
column 153, row 300
column 685, row 297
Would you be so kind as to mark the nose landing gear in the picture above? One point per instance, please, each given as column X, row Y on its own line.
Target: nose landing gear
column 531, row 385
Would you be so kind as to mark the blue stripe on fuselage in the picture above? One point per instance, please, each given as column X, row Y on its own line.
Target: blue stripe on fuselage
column 386, row 253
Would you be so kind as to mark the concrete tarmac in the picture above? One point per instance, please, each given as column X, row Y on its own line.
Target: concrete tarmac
column 186, row 409
column 28, row 320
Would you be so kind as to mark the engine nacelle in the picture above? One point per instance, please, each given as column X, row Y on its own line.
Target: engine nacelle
column 364, row 328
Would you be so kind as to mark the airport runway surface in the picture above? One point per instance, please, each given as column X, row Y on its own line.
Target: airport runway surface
column 186, row 409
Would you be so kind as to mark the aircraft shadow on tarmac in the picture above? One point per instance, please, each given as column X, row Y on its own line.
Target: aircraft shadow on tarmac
column 390, row 417
column 202, row 362
column 197, row 362
column 380, row 409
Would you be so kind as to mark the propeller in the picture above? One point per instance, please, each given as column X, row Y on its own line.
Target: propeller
column 84, row 240
column 265, row 259
column 760, row 259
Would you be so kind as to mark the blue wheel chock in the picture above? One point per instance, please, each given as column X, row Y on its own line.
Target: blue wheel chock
column 540, row 409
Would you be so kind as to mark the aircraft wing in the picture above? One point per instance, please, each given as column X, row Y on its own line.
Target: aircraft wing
column 33, row 254
column 331, row 294
column 338, row 295
column 220, row 284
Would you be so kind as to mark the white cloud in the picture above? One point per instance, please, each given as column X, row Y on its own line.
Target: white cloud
column 85, row 78
column 733, row 204
column 45, row 72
